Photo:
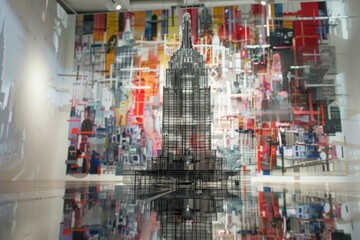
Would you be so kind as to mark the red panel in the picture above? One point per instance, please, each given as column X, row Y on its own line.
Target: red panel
column 66, row 231
column 258, row 159
column 74, row 131
column 256, row 9
column 306, row 33
column 261, row 202
column 239, row 32
column 194, row 15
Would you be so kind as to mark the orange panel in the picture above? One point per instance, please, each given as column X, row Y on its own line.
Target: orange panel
column 99, row 27
column 74, row 131
column 66, row 231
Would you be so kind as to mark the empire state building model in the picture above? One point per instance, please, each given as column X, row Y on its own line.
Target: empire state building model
column 186, row 131
column 186, row 158
column 186, row 185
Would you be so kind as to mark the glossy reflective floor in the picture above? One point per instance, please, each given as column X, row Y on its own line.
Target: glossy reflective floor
column 108, row 210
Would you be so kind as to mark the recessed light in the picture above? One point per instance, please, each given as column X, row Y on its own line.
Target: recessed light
column 118, row 7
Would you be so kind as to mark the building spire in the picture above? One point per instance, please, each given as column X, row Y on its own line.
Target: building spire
column 186, row 31
column 127, row 25
column 127, row 35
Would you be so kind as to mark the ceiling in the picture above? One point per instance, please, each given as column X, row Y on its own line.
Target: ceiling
column 98, row 6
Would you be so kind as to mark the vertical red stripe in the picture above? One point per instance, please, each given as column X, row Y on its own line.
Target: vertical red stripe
column 99, row 27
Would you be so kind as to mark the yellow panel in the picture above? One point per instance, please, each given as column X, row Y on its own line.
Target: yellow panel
column 79, row 21
column 112, row 26
column 139, row 24
column 157, row 12
column 218, row 15
column 122, row 112
column 289, row 23
column 271, row 23
column 173, row 31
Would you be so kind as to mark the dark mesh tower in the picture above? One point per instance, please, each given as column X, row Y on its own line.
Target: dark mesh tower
column 186, row 183
column 186, row 132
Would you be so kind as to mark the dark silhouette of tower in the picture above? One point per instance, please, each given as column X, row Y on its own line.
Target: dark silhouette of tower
column 186, row 157
column 186, row 183
column 186, row 130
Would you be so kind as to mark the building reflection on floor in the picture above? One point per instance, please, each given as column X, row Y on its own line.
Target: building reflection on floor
column 118, row 212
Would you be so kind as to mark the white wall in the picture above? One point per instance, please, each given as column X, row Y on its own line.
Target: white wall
column 345, row 36
column 37, row 47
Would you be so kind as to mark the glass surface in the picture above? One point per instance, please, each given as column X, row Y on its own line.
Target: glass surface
column 107, row 210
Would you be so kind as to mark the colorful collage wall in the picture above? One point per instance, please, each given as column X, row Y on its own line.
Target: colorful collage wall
column 271, row 72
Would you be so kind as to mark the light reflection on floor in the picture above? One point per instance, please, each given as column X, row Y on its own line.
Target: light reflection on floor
column 80, row 210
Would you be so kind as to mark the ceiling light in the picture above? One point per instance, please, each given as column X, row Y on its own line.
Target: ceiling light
column 116, row 5
column 265, row 2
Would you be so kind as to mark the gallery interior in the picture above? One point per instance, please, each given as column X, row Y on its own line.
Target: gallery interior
column 179, row 119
